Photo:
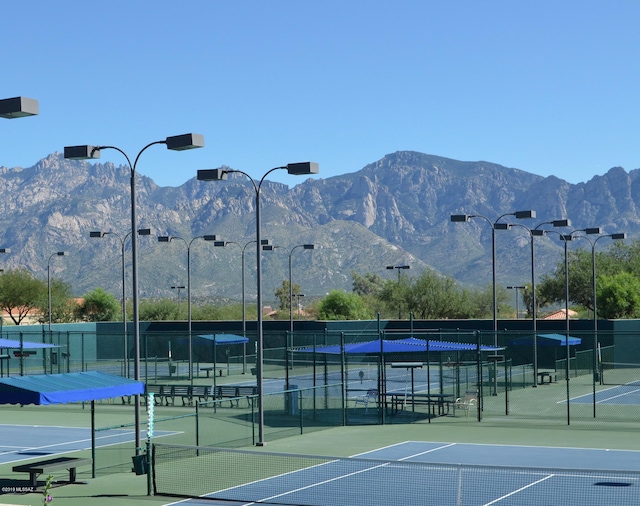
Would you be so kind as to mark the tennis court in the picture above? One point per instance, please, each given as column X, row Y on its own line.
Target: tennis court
column 31, row 441
column 405, row 473
column 618, row 395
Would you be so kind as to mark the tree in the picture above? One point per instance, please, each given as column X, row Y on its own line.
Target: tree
column 618, row 296
column 341, row 305
column 98, row 306
column 282, row 294
column 369, row 284
column 159, row 310
column 619, row 257
column 62, row 305
column 434, row 296
column 20, row 293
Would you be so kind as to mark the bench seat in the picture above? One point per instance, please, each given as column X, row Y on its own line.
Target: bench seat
column 47, row 466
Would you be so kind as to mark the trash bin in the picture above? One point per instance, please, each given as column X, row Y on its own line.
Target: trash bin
column 291, row 400
column 139, row 464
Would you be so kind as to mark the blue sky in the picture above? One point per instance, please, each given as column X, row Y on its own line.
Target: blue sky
column 549, row 87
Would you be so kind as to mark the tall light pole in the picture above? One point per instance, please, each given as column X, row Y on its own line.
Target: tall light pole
column 303, row 168
column 297, row 296
column 537, row 232
column 614, row 237
column 516, row 288
column 169, row 238
column 98, row 234
column 265, row 242
column 56, row 254
column 495, row 225
column 303, row 246
column 18, row 107
column 565, row 238
column 86, row 152
column 179, row 288
column 398, row 268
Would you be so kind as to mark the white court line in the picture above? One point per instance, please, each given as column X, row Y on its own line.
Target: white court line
column 619, row 395
column 348, row 475
column 519, row 490
column 126, row 434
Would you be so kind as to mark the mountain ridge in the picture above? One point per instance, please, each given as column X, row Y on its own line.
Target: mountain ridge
column 395, row 210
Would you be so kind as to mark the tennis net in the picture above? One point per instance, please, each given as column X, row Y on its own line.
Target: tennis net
column 616, row 373
column 258, row 477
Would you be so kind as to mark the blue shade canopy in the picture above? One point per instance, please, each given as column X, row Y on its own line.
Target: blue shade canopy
column 220, row 339
column 11, row 343
column 44, row 389
column 547, row 340
column 408, row 345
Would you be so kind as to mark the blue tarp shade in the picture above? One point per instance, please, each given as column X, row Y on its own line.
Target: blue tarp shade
column 61, row 388
column 221, row 339
column 408, row 345
column 547, row 340
column 11, row 343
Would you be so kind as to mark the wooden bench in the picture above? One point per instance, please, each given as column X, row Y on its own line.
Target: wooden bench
column 235, row 393
column 47, row 466
column 189, row 392
column 161, row 394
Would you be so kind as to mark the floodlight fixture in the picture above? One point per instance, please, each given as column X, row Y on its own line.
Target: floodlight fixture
column 212, row 174
column 18, row 107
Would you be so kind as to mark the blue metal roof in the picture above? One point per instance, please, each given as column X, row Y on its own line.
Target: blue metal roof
column 546, row 340
column 220, row 339
column 61, row 388
column 408, row 345
column 12, row 343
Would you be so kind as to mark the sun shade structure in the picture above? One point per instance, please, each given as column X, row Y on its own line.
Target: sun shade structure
column 408, row 345
column 547, row 340
column 43, row 389
column 221, row 339
column 11, row 343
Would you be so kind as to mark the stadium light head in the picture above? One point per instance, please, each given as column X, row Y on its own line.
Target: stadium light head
column 523, row 215
column 18, row 107
column 212, row 175
column 303, row 168
column 84, row 152
column 184, row 142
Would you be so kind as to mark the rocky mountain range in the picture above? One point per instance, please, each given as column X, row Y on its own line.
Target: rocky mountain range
column 395, row 211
